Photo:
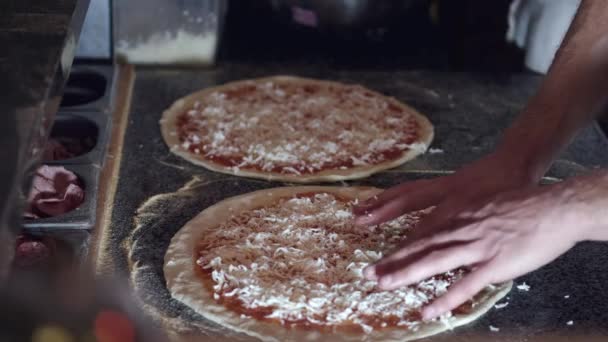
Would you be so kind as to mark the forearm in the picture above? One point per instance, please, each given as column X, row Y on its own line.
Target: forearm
column 571, row 96
column 589, row 205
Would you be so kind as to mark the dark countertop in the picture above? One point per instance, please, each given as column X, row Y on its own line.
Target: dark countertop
column 469, row 112
column 38, row 39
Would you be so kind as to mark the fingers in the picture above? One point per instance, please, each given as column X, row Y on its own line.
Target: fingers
column 459, row 292
column 395, row 208
column 400, row 200
column 426, row 234
column 412, row 250
column 390, row 263
column 437, row 221
column 435, row 262
column 386, row 195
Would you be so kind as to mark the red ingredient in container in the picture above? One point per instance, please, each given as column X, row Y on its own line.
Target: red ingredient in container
column 60, row 148
column 55, row 150
column 55, row 191
column 33, row 252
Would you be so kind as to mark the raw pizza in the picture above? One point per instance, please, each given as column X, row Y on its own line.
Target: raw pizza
column 285, row 264
column 294, row 129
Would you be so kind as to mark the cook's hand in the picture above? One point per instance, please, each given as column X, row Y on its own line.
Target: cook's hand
column 514, row 233
column 475, row 182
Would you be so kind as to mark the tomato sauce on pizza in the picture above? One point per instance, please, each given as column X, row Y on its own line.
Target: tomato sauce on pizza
column 296, row 127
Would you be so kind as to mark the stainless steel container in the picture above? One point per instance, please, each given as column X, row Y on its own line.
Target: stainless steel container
column 168, row 32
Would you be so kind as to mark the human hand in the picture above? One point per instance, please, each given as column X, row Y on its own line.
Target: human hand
column 476, row 182
column 512, row 234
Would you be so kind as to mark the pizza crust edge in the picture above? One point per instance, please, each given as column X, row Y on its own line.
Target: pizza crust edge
column 185, row 286
column 170, row 116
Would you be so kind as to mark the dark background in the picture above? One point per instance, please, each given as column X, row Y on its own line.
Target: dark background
column 467, row 35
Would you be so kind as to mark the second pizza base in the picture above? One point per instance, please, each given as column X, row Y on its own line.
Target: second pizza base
column 294, row 129
column 185, row 284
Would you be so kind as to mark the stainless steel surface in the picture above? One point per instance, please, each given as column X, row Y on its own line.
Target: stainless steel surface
column 95, row 40
column 39, row 40
column 96, row 80
column 168, row 32
column 88, row 113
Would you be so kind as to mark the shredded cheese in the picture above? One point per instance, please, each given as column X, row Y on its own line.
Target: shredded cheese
column 298, row 128
column 303, row 257
column 501, row 305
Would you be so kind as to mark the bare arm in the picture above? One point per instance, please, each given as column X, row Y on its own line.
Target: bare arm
column 573, row 93
column 571, row 96
column 493, row 208
column 513, row 234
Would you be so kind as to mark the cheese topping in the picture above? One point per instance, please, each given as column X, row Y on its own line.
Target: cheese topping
column 297, row 128
column 301, row 262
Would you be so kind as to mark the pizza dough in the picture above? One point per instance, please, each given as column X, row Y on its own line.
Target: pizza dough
column 186, row 283
column 294, row 129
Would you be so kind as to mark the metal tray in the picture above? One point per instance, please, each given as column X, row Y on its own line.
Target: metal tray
column 90, row 88
column 92, row 117
column 81, row 218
